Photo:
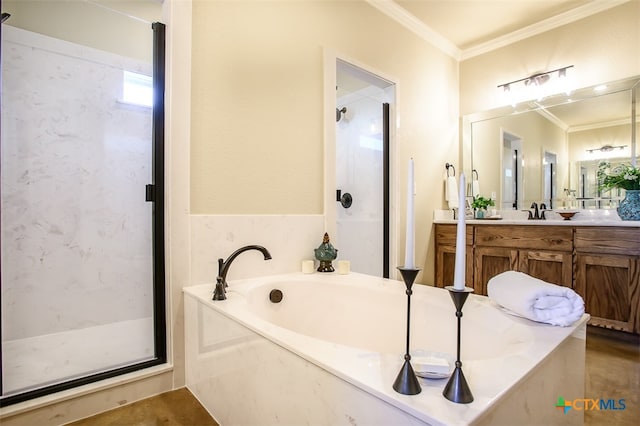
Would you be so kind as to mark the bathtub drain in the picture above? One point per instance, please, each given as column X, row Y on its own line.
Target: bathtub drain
column 275, row 295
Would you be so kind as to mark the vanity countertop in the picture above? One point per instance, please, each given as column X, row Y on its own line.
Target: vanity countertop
column 587, row 217
column 573, row 222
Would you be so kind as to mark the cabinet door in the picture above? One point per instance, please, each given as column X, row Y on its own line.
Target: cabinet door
column 491, row 261
column 609, row 286
column 446, row 255
column 550, row 266
column 446, row 264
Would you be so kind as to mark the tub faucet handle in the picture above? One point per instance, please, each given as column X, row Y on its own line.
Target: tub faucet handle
column 220, row 292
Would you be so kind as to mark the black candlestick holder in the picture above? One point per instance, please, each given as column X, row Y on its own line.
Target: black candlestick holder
column 406, row 382
column 457, row 389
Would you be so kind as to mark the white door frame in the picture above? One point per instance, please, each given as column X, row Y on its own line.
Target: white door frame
column 329, row 118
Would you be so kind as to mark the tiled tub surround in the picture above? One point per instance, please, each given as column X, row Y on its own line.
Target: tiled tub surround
column 289, row 238
column 330, row 351
column 76, row 230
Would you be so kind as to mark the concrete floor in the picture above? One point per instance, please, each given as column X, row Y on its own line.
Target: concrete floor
column 178, row 407
column 612, row 372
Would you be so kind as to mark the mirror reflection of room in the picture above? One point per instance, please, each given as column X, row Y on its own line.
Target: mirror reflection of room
column 552, row 154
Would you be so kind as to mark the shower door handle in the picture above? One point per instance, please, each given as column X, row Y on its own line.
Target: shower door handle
column 345, row 199
column 150, row 193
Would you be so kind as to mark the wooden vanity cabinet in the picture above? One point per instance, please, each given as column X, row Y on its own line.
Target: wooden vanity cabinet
column 446, row 255
column 491, row 261
column 602, row 264
column 608, row 275
column 544, row 252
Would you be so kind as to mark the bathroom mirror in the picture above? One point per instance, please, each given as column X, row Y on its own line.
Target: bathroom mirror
column 545, row 151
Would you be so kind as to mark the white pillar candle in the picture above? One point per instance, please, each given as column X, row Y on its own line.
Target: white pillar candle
column 409, row 257
column 308, row 267
column 461, row 243
column 344, row 267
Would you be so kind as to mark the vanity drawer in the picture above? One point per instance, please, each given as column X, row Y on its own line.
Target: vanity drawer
column 558, row 238
column 612, row 240
column 446, row 234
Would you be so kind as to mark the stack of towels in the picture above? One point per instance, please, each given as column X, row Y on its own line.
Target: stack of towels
column 534, row 299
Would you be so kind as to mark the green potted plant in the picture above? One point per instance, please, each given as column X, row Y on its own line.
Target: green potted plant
column 480, row 204
column 623, row 176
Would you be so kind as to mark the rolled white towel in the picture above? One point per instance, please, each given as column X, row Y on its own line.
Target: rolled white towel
column 535, row 299
column 451, row 192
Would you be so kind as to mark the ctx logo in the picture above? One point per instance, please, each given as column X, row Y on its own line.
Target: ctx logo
column 584, row 404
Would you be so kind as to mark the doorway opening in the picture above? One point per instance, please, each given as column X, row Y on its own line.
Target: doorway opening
column 549, row 162
column 364, row 102
column 512, row 160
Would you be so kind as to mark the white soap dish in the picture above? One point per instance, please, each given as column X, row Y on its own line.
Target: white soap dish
column 432, row 365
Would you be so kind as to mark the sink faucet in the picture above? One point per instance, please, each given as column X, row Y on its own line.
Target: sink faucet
column 536, row 213
column 220, row 292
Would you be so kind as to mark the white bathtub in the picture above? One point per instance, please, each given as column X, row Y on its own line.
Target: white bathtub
column 330, row 351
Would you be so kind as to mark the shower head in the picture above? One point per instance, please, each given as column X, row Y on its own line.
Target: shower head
column 5, row 16
column 339, row 113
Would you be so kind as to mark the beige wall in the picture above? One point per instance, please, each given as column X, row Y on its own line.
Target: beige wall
column 258, row 113
column 603, row 47
column 121, row 27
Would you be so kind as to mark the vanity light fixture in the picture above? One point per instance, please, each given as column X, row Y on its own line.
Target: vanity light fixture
column 606, row 148
column 537, row 86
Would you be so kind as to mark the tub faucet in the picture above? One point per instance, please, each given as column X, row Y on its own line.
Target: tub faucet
column 220, row 292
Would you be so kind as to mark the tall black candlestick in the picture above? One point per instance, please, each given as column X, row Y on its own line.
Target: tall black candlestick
column 406, row 382
column 457, row 389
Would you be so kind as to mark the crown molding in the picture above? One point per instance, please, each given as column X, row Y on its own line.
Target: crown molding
column 620, row 122
column 541, row 27
column 552, row 118
column 409, row 21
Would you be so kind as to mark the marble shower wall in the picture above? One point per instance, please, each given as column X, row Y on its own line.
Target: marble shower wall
column 76, row 230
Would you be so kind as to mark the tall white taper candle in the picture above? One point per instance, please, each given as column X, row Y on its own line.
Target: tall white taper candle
column 461, row 237
column 409, row 257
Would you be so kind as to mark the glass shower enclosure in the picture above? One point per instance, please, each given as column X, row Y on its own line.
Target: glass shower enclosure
column 82, row 267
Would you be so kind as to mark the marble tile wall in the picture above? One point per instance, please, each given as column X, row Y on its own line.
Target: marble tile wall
column 289, row 239
column 76, row 230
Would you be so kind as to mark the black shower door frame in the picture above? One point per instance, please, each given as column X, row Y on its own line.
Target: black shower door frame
column 154, row 193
